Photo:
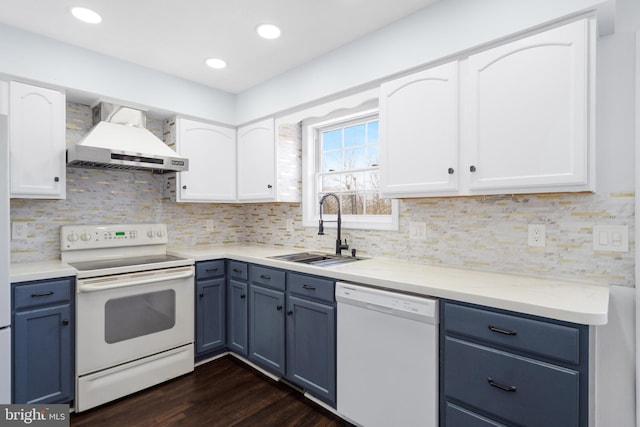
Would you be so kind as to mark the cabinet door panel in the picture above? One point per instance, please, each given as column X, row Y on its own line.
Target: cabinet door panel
column 419, row 132
column 528, row 111
column 37, row 142
column 237, row 317
column 266, row 328
column 256, row 161
column 311, row 348
column 43, row 355
column 211, row 151
column 210, row 315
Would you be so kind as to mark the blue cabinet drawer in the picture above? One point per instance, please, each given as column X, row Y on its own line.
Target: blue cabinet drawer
column 238, row 270
column 460, row 417
column 268, row 277
column 208, row 269
column 515, row 388
column 42, row 293
column 528, row 335
column 311, row 287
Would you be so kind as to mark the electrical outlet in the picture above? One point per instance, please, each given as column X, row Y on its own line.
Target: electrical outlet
column 18, row 231
column 417, row 230
column 289, row 224
column 210, row 226
column 537, row 235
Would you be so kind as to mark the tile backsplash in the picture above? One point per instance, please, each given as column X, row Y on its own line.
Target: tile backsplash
column 481, row 233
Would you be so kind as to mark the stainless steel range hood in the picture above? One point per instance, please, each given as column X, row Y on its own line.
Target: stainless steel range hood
column 120, row 140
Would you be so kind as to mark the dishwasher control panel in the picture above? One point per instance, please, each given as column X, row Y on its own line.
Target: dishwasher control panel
column 398, row 304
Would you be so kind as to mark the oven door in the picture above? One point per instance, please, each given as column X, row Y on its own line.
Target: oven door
column 126, row 317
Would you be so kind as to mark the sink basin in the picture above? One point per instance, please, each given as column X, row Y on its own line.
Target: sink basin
column 317, row 258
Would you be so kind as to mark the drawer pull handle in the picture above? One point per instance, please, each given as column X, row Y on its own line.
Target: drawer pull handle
column 290, row 313
column 243, row 296
column 279, row 308
column 65, row 322
column 237, row 270
column 44, row 294
column 502, row 331
column 209, row 270
column 265, row 277
column 309, row 287
column 509, row 388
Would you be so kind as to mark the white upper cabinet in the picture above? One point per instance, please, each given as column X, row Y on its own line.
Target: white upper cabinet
column 419, row 133
column 528, row 117
column 257, row 161
column 211, row 151
column 37, row 142
column 517, row 118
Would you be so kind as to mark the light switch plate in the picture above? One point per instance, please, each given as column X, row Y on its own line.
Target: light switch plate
column 289, row 224
column 611, row 238
column 210, row 226
column 18, row 231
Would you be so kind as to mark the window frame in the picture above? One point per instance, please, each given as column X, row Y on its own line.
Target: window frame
column 311, row 162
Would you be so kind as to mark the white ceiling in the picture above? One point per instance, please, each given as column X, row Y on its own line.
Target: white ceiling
column 177, row 36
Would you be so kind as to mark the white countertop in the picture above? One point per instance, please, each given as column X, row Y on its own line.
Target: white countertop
column 39, row 270
column 557, row 299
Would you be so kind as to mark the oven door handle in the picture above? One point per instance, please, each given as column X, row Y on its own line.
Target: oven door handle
column 93, row 285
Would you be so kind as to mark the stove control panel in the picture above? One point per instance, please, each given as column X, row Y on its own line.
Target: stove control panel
column 76, row 237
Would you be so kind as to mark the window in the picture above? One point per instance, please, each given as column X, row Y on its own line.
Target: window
column 342, row 158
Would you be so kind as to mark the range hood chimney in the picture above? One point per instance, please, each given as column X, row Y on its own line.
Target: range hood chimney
column 120, row 140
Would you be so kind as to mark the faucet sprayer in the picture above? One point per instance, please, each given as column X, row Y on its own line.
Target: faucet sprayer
column 339, row 245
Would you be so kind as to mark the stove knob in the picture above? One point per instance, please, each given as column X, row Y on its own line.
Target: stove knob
column 151, row 234
column 85, row 237
column 72, row 237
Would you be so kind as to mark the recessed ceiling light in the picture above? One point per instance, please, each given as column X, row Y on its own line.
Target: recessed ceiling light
column 216, row 63
column 86, row 15
column 268, row 31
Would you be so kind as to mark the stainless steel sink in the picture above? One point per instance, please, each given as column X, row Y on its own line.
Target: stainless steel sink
column 320, row 259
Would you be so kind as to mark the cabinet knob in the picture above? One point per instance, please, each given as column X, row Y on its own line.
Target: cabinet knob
column 184, row 187
column 290, row 313
column 279, row 308
column 450, row 171
column 65, row 322
column 243, row 296
column 269, row 186
column 201, row 295
column 56, row 179
column 472, row 168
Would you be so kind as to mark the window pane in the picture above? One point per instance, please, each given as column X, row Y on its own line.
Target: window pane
column 355, row 135
column 330, row 184
column 331, row 161
column 374, row 155
column 371, row 181
column 355, row 158
column 354, row 181
column 352, row 203
column 377, row 205
column 332, row 140
column 372, row 132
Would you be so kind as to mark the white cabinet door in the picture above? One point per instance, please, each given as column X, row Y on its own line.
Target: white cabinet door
column 419, row 133
column 211, row 151
column 528, row 112
column 37, row 142
column 257, row 161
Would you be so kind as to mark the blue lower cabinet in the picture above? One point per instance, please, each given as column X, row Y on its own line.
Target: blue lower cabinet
column 210, row 315
column 266, row 328
column 237, row 309
column 498, row 369
column 311, row 347
column 43, row 342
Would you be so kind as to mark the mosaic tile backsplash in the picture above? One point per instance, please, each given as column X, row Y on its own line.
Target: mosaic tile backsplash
column 481, row 233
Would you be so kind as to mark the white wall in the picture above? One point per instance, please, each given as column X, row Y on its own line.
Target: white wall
column 44, row 60
column 443, row 29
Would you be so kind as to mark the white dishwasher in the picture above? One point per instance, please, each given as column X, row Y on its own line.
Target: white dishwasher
column 387, row 357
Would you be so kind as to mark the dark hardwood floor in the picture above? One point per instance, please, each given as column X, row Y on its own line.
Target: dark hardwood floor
column 224, row 392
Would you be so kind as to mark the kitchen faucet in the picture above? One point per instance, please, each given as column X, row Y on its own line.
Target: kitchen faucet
column 339, row 245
